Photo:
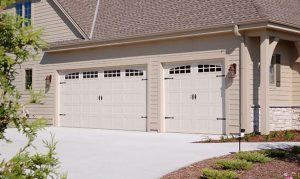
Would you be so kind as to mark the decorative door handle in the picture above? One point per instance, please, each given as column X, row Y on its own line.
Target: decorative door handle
column 195, row 96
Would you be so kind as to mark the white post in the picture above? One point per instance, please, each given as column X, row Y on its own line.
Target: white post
column 245, row 86
column 264, row 84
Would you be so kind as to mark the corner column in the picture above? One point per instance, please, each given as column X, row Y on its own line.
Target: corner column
column 245, row 86
column 264, row 84
column 266, row 52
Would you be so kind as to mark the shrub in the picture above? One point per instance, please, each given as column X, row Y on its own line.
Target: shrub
column 246, row 138
column 222, row 139
column 289, row 136
column 277, row 153
column 267, row 138
column 234, row 164
column 215, row 174
column 274, row 134
column 296, row 149
column 36, row 96
column 255, row 157
column 296, row 176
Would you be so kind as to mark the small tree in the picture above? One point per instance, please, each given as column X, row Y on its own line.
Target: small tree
column 19, row 43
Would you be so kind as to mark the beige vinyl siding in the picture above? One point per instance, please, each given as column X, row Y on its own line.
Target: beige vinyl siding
column 285, row 94
column 153, row 56
column 47, row 16
column 56, row 27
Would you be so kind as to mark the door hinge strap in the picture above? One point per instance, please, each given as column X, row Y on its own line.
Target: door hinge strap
column 220, row 76
column 169, row 118
column 169, row 78
column 62, row 114
column 144, row 117
column 62, row 83
column 221, row 119
column 145, row 79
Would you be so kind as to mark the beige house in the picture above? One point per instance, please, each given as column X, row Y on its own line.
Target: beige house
column 188, row 66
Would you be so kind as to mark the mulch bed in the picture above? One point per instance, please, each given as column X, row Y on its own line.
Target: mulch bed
column 275, row 136
column 277, row 169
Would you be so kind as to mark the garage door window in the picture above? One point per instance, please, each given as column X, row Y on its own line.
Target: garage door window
column 209, row 68
column 180, row 70
column 112, row 73
column 71, row 76
column 132, row 72
column 90, row 74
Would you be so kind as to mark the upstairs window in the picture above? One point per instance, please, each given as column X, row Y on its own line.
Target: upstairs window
column 23, row 9
column 28, row 78
column 27, row 13
column 275, row 70
column 19, row 9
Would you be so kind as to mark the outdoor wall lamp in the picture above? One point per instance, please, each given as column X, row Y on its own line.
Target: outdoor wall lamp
column 232, row 70
column 48, row 80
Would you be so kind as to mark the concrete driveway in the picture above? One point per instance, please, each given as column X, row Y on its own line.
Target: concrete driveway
column 93, row 153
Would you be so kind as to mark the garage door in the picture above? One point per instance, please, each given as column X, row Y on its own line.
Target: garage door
column 194, row 98
column 104, row 98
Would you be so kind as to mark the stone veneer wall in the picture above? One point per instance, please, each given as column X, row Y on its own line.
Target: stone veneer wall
column 281, row 118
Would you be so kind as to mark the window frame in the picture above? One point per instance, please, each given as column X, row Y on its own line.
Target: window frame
column 28, row 12
column 183, row 69
column 24, row 10
column 72, row 76
column 28, row 78
column 112, row 73
column 275, row 70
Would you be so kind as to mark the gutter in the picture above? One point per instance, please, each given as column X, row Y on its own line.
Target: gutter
column 100, row 43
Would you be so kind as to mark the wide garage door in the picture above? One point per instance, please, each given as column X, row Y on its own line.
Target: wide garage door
column 112, row 98
column 194, row 98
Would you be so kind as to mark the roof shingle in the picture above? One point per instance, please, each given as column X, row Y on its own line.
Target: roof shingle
column 122, row 19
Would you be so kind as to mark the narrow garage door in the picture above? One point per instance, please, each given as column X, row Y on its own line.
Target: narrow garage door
column 104, row 98
column 194, row 98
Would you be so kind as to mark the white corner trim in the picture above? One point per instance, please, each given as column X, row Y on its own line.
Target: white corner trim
column 94, row 20
column 71, row 19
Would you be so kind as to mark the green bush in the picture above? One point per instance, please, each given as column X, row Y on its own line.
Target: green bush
column 289, row 136
column 276, row 153
column 296, row 149
column 296, row 176
column 215, row 174
column 36, row 97
column 222, row 139
column 234, row 164
column 254, row 157
column 274, row 134
column 267, row 138
column 246, row 138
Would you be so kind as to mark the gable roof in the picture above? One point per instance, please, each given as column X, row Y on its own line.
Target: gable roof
column 125, row 19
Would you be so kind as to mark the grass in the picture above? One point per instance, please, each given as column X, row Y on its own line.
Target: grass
column 216, row 174
column 254, row 157
column 234, row 164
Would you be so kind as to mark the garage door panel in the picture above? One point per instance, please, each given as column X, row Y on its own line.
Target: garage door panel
column 194, row 100
column 109, row 99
